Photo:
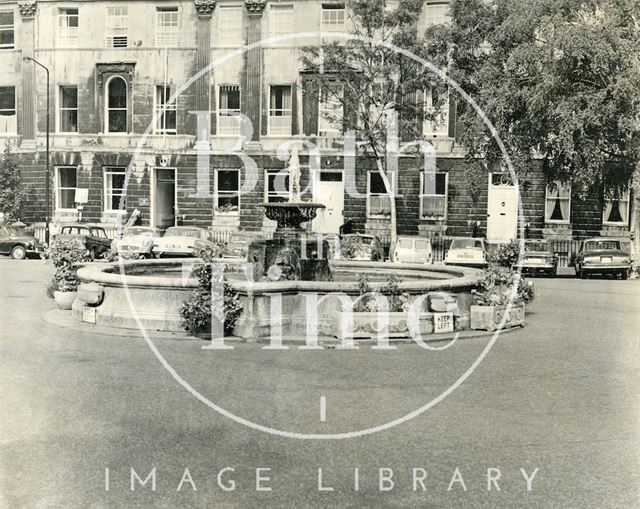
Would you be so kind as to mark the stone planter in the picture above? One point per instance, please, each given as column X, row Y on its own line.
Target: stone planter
column 489, row 317
column 366, row 325
column 64, row 300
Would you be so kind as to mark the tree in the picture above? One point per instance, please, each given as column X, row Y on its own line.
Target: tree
column 12, row 193
column 376, row 90
column 559, row 80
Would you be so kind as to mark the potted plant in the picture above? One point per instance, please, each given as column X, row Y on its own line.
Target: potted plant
column 365, row 320
column 66, row 255
column 494, row 298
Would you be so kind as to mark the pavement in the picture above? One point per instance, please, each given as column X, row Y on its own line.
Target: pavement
column 83, row 413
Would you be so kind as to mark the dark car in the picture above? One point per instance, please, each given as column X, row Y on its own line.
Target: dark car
column 18, row 244
column 357, row 246
column 539, row 258
column 94, row 238
column 602, row 256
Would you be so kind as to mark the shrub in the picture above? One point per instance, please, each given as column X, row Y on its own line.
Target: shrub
column 196, row 312
column 66, row 254
column 507, row 254
column 496, row 286
column 398, row 301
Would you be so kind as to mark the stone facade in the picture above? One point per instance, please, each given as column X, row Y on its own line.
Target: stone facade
column 152, row 45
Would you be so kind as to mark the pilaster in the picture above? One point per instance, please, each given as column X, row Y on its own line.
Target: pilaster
column 27, row 38
column 251, row 88
column 204, row 9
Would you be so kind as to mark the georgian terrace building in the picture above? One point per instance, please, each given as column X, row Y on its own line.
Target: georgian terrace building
column 114, row 63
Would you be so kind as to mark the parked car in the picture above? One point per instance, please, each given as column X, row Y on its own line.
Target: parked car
column 238, row 244
column 18, row 244
column 410, row 249
column 136, row 241
column 602, row 256
column 356, row 246
column 94, row 238
column 182, row 241
column 539, row 258
column 467, row 252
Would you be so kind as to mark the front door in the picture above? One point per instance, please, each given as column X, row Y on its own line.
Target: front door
column 502, row 208
column 329, row 191
column 164, row 201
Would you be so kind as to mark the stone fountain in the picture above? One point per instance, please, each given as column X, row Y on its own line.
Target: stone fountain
column 291, row 255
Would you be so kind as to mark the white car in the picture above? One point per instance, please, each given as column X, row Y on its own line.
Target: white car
column 136, row 241
column 182, row 241
column 467, row 252
column 411, row 249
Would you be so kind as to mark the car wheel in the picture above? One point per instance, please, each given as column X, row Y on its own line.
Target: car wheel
column 18, row 253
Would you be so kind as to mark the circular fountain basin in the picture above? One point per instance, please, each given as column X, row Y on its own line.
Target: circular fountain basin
column 153, row 291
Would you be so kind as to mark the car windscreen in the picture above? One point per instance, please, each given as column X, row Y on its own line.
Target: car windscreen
column 71, row 230
column 405, row 243
column 145, row 232
column 182, row 232
column 601, row 245
column 466, row 244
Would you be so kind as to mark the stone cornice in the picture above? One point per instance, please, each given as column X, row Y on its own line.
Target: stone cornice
column 28, row 8
column 255, row 7
column 105, row 68
column 204, row 7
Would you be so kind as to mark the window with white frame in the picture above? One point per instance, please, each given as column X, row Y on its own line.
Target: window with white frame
column 280, row 20
column 116, row 105
column 7, row 30
column 438, row 13
column 333, row 17
column 616, row 209
column 68, row 23
column 228, row 121
column 114, row 188
column 434, row 188
column 378, row 200
column 8, row 116
column 117, row 27
column 280, row 110
column 557, row 207
column 278, row 185
column 166, row 111
column 66, row 182
column 330, row 115
column 68, row 109
column 230, row 25
column 167, row 26
column 227, row 192
column 436, row 121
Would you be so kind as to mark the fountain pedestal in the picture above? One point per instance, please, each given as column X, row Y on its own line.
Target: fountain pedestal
column 290, row 255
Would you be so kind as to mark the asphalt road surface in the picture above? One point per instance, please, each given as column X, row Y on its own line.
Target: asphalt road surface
column 551, row 415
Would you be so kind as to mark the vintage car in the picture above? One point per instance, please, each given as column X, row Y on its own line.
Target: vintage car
column 539, row 258
column 94, row 238
column 356, row 246
column 136, row 241
column 18, row 244
column 467, row 252
column 238, row 244
column 602, row 255
column 410, row 249
column 182, row 241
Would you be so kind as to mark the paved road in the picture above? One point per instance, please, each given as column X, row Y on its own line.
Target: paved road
column 560, row 395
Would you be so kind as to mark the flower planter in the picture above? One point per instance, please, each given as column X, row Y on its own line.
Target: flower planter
column 366, row 325
column 490, row 317
column 64, row 300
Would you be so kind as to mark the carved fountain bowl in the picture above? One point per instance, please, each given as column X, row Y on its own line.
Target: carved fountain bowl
column 290, row 215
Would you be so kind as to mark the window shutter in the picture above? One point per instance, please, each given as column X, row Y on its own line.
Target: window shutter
column 213, row 108
column 453, row 109
column 294, row 109
column 309, row 107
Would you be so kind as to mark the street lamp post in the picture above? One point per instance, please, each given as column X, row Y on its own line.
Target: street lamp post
column 46, row 224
